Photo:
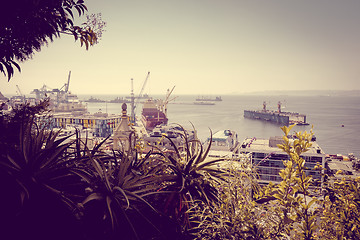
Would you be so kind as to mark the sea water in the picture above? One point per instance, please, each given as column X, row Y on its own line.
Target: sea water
column 335, row 120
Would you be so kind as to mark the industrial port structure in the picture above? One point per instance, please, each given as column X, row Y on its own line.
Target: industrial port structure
column 279, row 117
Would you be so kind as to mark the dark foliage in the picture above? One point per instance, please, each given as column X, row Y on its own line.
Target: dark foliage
column 35, row 182
column 26, row 25
column 11, row 123
column 55, row 187
column 187, row 177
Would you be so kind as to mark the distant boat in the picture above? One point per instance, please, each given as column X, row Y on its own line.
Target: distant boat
column 143, row 96
column 119, row 100
column 203, row 98
column 204, row 103
column 92, row 99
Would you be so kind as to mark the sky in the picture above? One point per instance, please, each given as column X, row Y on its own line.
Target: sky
column 205, row 47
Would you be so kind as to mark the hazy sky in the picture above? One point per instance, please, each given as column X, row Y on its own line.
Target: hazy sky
column 206, row 47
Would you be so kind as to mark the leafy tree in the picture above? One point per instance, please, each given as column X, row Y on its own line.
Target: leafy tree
column 273, row 212
column 341, row 210
column 236, row 215
column 12, row 122
column 293, row 193
column 27, row 25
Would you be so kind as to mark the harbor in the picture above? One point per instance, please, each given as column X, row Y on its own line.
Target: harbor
column 258, row 140
column 333, row 118
column 159, row 129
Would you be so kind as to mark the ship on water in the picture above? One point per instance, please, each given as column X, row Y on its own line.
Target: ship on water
column 211, row 99
column 154, row 112
column 120, row 100
column 61, row 100
column 204, row 103
column 94, row 100
column 152, row 115
column 279, row 117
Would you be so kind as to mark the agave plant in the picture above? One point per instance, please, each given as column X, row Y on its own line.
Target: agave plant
column 39, row 160
column 188, row 177
column 36, row 179
column 117, row 192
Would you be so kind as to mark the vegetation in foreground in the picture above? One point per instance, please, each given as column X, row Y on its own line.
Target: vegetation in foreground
column 56, row 188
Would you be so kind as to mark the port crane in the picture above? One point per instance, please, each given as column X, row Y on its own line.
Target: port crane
column 133, row 103
column 46, row 91
column 64, row 93
column 66, row 85
column 164, row 103
column 20, row 94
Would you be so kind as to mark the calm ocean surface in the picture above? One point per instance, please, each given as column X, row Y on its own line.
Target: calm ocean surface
column 326, row 113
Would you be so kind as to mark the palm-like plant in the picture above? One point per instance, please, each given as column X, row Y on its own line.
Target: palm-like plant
column 188, row 177
column 118, row 191
column 39, row 184
column 38, row 161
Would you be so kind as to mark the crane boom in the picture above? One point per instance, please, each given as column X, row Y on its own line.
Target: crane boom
column 168, row 94
column 20, row 93
column 167, row 100
column 17, row 86
column 142, row 89
column 68, row 83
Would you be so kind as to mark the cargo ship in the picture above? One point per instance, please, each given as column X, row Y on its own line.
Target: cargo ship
column 152, row 115
column 279, row 117
column 154, row 112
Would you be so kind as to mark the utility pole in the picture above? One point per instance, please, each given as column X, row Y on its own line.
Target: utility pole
column 133, row 103
column 132, row 116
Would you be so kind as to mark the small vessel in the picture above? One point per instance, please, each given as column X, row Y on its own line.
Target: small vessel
column 204, row 103
column 142, row 96
column 94, row 100
column 283, row 118
column 203, row 98
column 119, row 100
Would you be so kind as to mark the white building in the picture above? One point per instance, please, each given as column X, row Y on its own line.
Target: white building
column 268, row 158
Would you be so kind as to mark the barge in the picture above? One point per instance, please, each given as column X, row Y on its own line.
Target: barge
column 279, row 117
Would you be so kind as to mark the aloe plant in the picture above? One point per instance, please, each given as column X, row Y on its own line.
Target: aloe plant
column 118, row 190
column 188, row 176
column 36, row 177
column 39, row 159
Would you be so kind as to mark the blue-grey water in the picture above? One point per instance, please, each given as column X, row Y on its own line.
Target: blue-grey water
column 327, row 114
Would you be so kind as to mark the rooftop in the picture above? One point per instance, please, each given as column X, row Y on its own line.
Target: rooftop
column 270, row 145
column 221, row 135
column 98, row 115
